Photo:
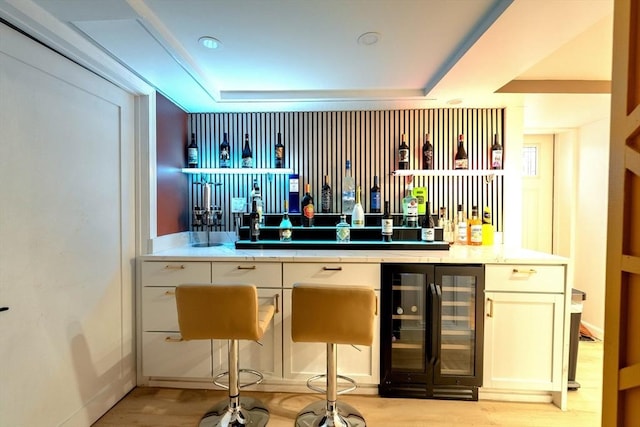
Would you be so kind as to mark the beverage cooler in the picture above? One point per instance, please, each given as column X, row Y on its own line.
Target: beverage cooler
column 431, row 331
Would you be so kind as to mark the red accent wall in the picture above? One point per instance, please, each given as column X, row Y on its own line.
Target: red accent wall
column 173, row 186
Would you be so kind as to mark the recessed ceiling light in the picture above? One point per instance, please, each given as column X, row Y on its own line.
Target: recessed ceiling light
column 210, row 42
column 368, row 39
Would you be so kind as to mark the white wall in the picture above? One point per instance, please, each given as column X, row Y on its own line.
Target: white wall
column 67, row 238
column 591, row 221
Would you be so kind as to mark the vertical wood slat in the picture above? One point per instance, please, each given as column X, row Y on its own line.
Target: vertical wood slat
column 319, row 143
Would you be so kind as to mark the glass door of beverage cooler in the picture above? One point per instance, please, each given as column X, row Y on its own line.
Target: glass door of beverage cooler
column 461, row 325
column 405, row 325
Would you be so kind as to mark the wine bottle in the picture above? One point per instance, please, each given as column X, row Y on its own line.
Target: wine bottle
column 427, row 152
column 326, row 196
column 256, row 196
column 461, row 227
column 375, row 196
column 475, row 228
column 286, row 228
column 307, row 207
column 247, row 155
column 279, row 152
column 403, row 153
column 348, row 191
column 254, row 222
column 461, row 160
column 410, row 208
column 192, row 152
column 387, row 223
column 225, row 152
column 487, row 227
column 357, row 217
column 343, row 232
column 496, row 153
column 428, row 231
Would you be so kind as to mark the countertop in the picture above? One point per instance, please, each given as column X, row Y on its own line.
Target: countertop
column 455, row 255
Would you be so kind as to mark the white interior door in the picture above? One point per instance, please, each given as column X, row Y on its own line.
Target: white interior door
column 537, row 192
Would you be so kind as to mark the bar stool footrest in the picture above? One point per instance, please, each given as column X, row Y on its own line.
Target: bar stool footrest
column 322, row 390
column 258, row 374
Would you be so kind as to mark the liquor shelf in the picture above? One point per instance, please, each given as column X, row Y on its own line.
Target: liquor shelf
column 332, row 244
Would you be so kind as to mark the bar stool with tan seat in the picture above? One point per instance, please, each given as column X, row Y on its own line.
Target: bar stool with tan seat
column 230, row 312
column 332, row 315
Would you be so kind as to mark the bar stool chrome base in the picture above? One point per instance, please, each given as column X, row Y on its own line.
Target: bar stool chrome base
column 330, row 414
column 246, row 411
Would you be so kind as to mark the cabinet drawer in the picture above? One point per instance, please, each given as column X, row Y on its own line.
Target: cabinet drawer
column 525, row 278
column 159, row 311
column 171, row 273
column 260, row 274
column 352, row 274
column 166, row 355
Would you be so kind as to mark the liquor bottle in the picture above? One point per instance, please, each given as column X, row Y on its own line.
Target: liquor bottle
column 286, row 228
column 225, row 152
column 348, row 191
column 357, row 217
column 256, row 196
column 294, row 193
column 410, row 208
column 192, row 152
column 445, row 223
column 374, row 199
column 307, row 207
column 428, row 231
column 475, row 228
column 326, row 198
column 343, row 232
column 403, row 153
column 487, row 227
column 461, row 160
column 496, row 153
column 247, row 155
column 461, row 227
column 387, row 223
column 427, row 152
column 279, row 152
column 254, row 222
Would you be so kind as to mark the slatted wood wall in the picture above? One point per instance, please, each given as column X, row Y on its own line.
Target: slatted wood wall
column 319, row 143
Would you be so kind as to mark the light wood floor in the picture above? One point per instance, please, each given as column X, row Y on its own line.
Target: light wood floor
column 179, row 407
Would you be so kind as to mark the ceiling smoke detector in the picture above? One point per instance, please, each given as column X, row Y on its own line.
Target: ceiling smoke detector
column 368, row 39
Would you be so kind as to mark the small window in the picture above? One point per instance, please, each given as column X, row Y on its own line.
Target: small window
column 529, row 161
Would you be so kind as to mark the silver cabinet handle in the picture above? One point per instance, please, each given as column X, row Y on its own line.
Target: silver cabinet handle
column 520, row 271
column 169, row 293
column 171, row 339
column 174, row 267
column 490, row 310
column 332, row 268
column 251, row 267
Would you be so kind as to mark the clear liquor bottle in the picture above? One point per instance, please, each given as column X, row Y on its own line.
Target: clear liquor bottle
column 343, row 232
column 348, row 191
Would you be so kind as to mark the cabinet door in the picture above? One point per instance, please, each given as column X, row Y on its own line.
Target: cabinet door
column 523, row 341
column 303, row 360
column 352, row 274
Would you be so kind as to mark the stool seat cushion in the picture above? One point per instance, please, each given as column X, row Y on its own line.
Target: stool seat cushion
column 333, row 314
column 221, row 312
